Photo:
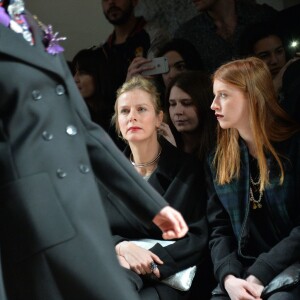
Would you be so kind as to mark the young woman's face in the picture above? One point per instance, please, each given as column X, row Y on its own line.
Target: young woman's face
column 85, row 83
column 231, row 106
column 176, row 66
column 136, row 116
column 182, row 110
column 270, row 49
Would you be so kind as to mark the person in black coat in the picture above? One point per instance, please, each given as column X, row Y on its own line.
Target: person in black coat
column 253, row 206
column 177, row 176
column 54, row 237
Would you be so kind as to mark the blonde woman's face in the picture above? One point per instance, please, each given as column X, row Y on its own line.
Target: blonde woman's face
column 136, row 116
column 231, row 107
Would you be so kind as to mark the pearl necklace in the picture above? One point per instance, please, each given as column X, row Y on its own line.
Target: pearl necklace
column 146, row 164
column 255, row 203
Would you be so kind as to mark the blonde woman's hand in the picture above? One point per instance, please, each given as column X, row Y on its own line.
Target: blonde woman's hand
column 140, row 260
column 166, row 132
column 122, row 261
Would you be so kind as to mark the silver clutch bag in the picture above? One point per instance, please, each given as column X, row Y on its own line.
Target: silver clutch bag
column 181, row 280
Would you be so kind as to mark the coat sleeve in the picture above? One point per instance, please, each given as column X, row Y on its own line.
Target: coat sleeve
column 271, row 263
column 222, row 243
column 186, row 252
column 187, row 192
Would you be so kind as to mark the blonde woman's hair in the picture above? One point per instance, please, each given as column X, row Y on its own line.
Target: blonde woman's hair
column 268, row 121
column 137, row 83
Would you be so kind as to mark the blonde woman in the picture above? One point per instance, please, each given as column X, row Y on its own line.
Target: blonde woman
column 177, row 177
column 253, row 209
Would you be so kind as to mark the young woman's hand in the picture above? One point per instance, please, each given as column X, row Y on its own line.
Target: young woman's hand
column 256, row 283
column 240, row 289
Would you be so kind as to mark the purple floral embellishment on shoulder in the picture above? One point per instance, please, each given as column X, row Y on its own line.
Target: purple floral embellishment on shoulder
column 51, row 40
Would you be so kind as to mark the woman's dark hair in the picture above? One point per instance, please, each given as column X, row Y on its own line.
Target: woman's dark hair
column 85, row 60
column 198, row 85
column 92, row 61
column 189, row 54
column 187, row 50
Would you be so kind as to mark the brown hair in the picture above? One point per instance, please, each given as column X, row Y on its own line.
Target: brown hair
column 198, row 86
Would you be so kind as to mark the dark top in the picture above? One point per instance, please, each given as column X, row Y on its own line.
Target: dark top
column 229, row 216
column 261, row 234
column 179, row 178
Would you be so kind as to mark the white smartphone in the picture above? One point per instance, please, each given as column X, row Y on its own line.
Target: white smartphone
column 160, row 65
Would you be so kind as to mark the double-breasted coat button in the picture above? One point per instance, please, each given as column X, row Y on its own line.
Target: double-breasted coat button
column 60, row 90
column 36, row 95
column 47, row 136
column 84, row 168
column 71, row 130
column 61, row 173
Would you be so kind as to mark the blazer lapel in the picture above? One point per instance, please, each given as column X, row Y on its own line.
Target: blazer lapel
column 13, row 44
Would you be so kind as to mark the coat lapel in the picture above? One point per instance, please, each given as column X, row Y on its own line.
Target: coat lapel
column 14, row 45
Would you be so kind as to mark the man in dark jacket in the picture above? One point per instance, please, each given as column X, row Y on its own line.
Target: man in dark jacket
column 131, row 37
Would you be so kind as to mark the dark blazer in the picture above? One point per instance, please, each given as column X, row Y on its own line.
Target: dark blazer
column 179, row 178
column 54, row 237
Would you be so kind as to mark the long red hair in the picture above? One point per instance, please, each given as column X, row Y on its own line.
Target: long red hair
column 269, row 122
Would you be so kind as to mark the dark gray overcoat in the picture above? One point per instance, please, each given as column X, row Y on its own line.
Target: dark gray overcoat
column 54, row 238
